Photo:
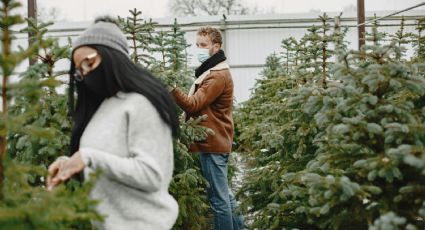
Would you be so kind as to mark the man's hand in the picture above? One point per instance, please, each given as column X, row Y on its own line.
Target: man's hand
column 62, row 169
column 172, row 82
column 171, row 88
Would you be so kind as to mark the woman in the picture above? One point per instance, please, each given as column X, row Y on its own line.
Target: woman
column 123, row 125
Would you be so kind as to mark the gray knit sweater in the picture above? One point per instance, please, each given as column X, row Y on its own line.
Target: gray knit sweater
column 130, row 143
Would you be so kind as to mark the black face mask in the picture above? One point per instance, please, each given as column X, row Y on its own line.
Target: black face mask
column 96, row 82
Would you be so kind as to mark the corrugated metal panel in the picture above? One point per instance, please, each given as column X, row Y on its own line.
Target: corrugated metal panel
column 253, row 46
column 244, row 80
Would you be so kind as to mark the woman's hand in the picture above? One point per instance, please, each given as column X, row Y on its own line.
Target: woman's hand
column 62, row 169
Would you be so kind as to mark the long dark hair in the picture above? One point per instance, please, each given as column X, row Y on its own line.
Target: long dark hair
column 125, row 76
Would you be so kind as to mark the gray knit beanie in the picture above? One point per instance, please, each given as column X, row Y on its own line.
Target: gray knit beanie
column 103, row 33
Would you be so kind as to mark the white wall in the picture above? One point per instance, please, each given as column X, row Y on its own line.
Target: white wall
column 248, row 39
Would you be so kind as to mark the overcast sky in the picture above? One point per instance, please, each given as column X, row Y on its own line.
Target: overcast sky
column 83, row 10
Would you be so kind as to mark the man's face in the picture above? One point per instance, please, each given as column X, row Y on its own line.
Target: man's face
column 205, row 42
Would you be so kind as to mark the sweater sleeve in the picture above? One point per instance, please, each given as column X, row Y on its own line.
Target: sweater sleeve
column 209, row 90
column 141, row 169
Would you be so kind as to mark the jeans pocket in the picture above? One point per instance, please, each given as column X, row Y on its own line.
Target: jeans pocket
column 221, row 159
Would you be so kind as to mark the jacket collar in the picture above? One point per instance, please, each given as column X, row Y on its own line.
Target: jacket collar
column 220, row 66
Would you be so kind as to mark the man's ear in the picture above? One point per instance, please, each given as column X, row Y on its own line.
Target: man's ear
column 217, row 47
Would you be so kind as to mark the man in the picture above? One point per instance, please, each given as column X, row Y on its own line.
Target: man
column 212, row 95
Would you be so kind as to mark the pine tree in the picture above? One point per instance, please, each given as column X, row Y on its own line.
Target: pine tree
column 177, row 55
column 401, row 38
column 363, row 162
column 281, row 142
column 419, row 40
column 159, row 48
column 23, row 203
column 172, row 68
column 139, row 33
column 313, row 52
column 374, row 39
column 277, row 142
column 46, row 109
column 188, row 185
column 289, row 54
column 344, row 155
column 309, row 50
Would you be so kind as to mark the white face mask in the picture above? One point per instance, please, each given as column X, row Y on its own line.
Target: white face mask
column 203, row 54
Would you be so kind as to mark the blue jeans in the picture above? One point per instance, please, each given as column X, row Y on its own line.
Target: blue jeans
column 222, row 200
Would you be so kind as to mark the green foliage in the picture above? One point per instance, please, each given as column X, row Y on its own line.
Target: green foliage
column 341, row 152
column 26, row 207
column 45, row 109
column 139, row 33
column 391, row 221
column 402, row 39
column 419, row 42
column 171, row 66
column 33, row 116
column 274, row 131
column 188, row 184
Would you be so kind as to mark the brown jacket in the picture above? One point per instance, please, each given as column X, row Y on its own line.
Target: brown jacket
column 213, row 96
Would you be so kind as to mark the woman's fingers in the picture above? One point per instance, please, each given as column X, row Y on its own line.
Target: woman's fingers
column 53, row 183
column 74, row 165
column 57, row 179
column 63, row 168
column 65, row 174
column 53, row 170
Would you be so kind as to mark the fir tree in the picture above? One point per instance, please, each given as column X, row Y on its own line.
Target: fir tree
column 419, row 40
column 23, row 205
column 345, row 155
column 173, row 64
column 313, row 52
column 139, row 33
column 401, row 38
column 188, row 185
column 289, row 54
column 47, row 108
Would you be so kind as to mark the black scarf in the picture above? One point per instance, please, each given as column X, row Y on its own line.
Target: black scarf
column 210, row 62
column 91, row 92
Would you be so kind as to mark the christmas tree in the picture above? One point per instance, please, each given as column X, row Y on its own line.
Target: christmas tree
column 419, row 40
column 45, row 108
column 139, row 33
column 171, row 66
column 24, row 201
column 341, row 155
